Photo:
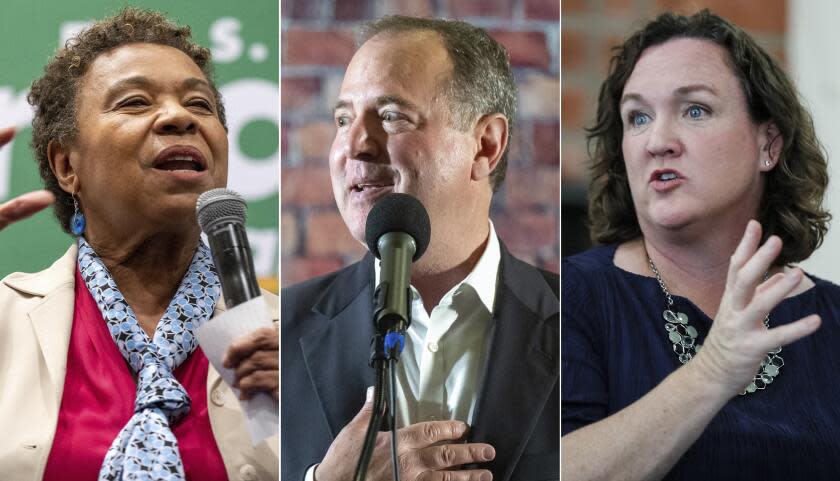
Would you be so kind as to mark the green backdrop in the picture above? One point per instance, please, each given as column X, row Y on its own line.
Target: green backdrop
column 243, row 37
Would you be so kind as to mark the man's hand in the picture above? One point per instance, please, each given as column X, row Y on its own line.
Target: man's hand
column 426, row 451
column 255, row 359
column 25, row 205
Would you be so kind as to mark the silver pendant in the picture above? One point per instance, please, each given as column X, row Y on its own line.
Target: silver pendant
column 683, row 336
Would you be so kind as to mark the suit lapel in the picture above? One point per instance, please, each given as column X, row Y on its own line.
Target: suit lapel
column 337, row 352
column 523, row 363
column 52, row 319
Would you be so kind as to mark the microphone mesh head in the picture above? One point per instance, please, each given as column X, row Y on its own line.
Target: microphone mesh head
column 398, row 213
column 219, row 205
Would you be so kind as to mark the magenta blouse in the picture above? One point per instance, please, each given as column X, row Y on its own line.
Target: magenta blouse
column 99, row 392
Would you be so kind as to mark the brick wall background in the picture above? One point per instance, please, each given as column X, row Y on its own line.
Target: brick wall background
column 590, row 28
column 317, row 43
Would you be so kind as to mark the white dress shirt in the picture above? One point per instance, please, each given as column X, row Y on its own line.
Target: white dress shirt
column 440, row 369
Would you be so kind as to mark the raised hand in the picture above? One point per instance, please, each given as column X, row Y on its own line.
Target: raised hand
column 24, row 205
column 738, row 340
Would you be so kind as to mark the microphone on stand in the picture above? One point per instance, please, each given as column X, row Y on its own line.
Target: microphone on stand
column 221, row 215
column 397, row 232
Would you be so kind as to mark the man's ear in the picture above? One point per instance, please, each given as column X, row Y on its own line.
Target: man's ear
column 771, row 142
column 58, row 156
column 491, row 133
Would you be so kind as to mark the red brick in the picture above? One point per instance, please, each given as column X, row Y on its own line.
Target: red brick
column 535, row 187
column 539, row 96
column 618, row 7
column 307, row 47
column 288, row 233
column 298, row 92
column 480, row 8
column 545, row 9
column 519, row 147
column 284, row 142
column 780, row 56
column 414, row 8
column 299, row 9
column 327, row 235
column 526, row 49
column 574, row 168
column 528, row 233
column 306, row 186
column 352, row 9
column 573, row 108
column 546, row 143
column 606, row 54
column 572, row 50
column 569, row 6
column 299, row 269
column 764, row 15
column 312, row 142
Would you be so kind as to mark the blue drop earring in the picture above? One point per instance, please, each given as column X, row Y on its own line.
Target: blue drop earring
column 77, row 222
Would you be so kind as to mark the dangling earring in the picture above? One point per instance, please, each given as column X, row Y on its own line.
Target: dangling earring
column 77, row 222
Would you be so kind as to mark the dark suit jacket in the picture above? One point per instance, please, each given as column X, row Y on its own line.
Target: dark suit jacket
column 326, row 331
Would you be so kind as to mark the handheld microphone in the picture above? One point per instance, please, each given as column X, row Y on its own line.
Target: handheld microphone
column 221, row 215
column 397, row 232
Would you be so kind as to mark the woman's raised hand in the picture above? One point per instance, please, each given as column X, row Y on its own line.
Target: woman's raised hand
column 24, row 205
column 738, row 340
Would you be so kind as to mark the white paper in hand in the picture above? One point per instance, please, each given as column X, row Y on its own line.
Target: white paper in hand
column 261, row 411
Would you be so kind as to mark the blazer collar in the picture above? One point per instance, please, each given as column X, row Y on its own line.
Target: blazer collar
column 336, row 353
column 523, row 367
column 52, row 318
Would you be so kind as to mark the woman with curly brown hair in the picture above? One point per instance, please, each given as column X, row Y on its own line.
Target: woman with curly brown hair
column 707, row 184
column 100, row 371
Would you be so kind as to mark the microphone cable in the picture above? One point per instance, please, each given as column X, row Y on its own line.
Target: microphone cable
column 392, row 411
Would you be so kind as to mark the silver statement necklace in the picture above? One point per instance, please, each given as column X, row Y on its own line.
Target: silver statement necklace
column 684, row 338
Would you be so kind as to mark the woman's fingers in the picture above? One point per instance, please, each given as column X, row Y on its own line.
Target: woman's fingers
column 746, row 248
column 24, row 206
column 743, row 281
column 775, row 278
column 769, row 296
column 6, row 134
column 788, row 333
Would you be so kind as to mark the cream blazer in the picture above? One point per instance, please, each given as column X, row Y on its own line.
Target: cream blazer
column 36, row 313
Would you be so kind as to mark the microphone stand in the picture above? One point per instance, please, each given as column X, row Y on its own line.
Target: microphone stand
column 385, row 353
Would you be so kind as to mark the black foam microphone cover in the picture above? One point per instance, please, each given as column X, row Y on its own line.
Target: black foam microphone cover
column 398, row 213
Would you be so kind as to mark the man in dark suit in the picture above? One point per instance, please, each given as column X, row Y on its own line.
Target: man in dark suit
column 425, row 108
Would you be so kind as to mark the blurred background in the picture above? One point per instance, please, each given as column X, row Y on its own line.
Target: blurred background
column 317, row 43
column 244, row 40
column 803, row 36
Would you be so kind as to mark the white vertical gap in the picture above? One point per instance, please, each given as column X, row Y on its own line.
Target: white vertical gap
column 812, row 39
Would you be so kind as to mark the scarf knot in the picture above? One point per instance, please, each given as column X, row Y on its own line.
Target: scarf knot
column 146, row 448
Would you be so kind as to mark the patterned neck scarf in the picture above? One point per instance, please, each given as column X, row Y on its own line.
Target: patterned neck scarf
column 145, row 448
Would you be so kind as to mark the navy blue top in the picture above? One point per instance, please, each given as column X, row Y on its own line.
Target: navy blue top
column 615, row 349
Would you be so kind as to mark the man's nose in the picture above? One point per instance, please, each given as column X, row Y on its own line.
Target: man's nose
column 361, row 139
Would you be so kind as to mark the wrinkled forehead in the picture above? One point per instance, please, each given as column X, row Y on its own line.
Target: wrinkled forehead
column 150, row 59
